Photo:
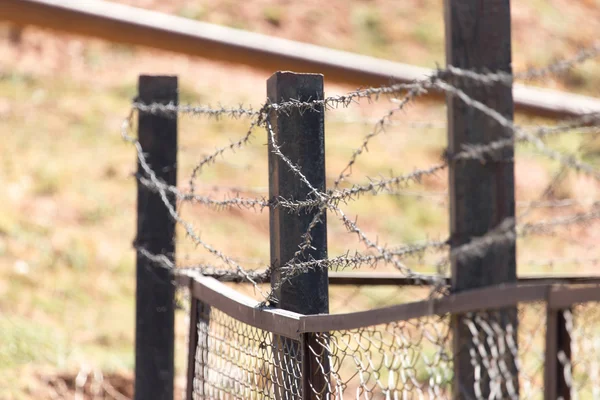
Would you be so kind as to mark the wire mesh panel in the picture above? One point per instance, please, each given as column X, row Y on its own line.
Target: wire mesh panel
column 237, row 361
column 507, row 358
column 413, row 359
column 408, row 359
column 531, row 350
column 544, row 347
column 581, row 368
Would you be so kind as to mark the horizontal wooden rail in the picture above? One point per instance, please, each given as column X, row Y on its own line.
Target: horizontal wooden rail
column 125, row 24
column 289, row 324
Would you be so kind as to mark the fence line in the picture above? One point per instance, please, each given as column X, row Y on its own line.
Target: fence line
column 239, row 321
column 304, row 355
column 333, row 198
column 217, row 294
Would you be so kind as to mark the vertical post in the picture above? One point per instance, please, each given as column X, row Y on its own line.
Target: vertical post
column 478, row 37
column 558, row 355
column 202, row 350
column 154, row 331
column 301, row 138
column 192, row 346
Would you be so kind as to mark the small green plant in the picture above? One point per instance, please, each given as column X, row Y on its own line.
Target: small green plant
column 25, row 342
column 188, row 94
column 273, row 15
column 124, row 50
column 425, row 35
column 95, row 215
column 192, row 11
column 47, row 181
column 370, row 29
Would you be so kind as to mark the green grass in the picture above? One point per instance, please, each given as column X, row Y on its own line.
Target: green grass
column 192, row 12
column 24, row 342
column 73, row 219
column 273, row 15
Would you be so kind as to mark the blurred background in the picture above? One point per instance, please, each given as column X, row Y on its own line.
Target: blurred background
column 67, row 215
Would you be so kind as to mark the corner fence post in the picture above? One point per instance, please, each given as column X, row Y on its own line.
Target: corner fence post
column 300, row 136
column 155, row 291
column 558, row 355
column 482, row 194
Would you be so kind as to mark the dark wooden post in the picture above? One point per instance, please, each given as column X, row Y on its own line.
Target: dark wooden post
column 154, row 330
column 558, row 355
column 192, row 347
column 478, row 37
column 301, row 138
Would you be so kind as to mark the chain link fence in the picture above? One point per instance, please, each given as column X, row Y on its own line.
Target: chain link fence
column 236, row 360
column 409, row 352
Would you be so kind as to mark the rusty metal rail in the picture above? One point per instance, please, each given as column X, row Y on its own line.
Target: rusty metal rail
column 242, row 340
column 367, row 278
column 394, row 279
column 292, row 325
column 124, row 24
column 242, row 308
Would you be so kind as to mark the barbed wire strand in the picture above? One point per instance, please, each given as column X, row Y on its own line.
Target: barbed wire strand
column 330, row 200
column 176, row 217
column 379, row 127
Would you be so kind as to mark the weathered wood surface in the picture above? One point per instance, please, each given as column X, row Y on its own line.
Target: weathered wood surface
column 155, row 290
column 481, row 194
column 300, row 137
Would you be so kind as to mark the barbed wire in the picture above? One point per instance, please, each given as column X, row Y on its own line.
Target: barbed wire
column 514, row 132
column 496, row 348
column 561, row 66
column 379, row 128
column 211, row 158
column 320, row 202
column 505, row 78
column 171, row 109
column 159, row 186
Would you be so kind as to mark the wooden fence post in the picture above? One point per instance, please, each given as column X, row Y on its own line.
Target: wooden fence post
column 301, row 138
column 192, row 345
column 558, row 343
column 478, row 37
column 155, row 311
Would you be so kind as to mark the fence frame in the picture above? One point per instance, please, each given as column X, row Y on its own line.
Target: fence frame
column 155, row 292
column 481, row 194
column 300, row 137
column 192, row 347
column 557, row 340
column 292, row 325
column 158, row 132
column 368, row 278
column 296, row 326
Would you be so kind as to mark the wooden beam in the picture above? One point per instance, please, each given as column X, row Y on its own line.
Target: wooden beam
column 155, row 291
column 124, row 24
column 482, row 195
column 557, row 355
column 299, row 136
